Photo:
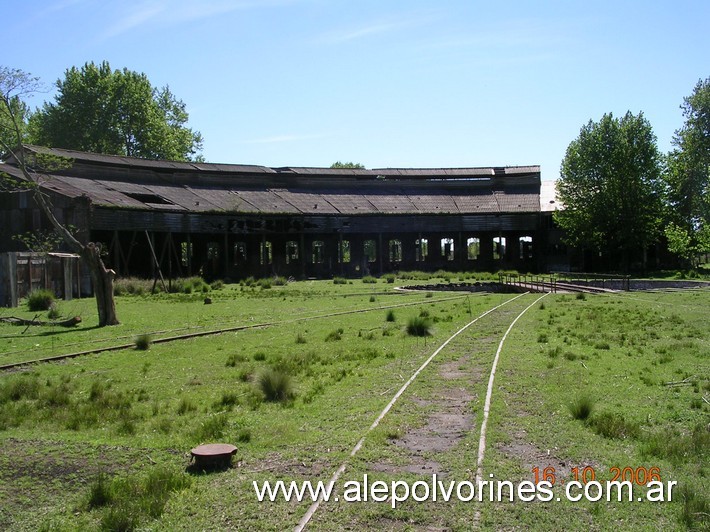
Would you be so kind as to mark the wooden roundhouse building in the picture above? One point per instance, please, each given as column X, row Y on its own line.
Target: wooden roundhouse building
column 234, row 221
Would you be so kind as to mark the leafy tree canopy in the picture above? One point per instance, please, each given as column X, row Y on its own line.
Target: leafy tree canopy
column 339, row 164
column 14, row 113
column 115, row 112
column 688, row 176
column 610, row 186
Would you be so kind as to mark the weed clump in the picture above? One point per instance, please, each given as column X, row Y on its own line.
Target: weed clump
column 369, row 279
column 100, row 493
column 143, row 342
column 582, row 407
column 234, row 359
column 54, row 311
column 339, row 280
column 390, row 316
column 336, row 335
column 185, row 406
column 276, row 385
column 211, row 429
column 40, row 300
column 696, row 508
column 419, row 326
column 131, row 501
column 190, row 285
column 20, row 388
column 613, row 426
column 678, row 447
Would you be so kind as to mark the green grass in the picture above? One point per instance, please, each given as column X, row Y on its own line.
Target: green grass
column 128, row 413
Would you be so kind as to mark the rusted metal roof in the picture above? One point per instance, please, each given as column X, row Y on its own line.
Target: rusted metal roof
column 130, row 183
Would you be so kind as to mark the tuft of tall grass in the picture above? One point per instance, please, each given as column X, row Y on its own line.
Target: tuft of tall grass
column 131, row 501
column 40, row 300
column 419, row 326
column 131, row 286
column 369, row 279
column 185, row 406
column 234, row 359
column 276, row 385
column 696, row 508
column 22, row 387
column 54, row 311
column 677, row 448
column 581, row 407
column 336, row 335
column 143, row 342
column 613, row 425
column 100, row 493
column 211, row 428
column 390, row 316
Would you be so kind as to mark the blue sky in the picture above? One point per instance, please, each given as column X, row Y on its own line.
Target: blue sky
column 388, row 83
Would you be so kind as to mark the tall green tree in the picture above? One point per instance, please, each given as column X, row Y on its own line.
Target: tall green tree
column 14, row 112
column 610, row 187
column 115, row 112
column 16, row 84
column 338, row 164
column 688, row 178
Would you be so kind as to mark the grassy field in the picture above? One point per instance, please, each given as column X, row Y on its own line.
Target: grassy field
column 103, row 441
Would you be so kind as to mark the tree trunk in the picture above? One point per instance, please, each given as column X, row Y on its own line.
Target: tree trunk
column 102, row 279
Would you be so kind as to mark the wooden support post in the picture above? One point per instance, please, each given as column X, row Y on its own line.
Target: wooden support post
column 155, row 263
column 12, row 277
column 379, row 251
column 189, row 255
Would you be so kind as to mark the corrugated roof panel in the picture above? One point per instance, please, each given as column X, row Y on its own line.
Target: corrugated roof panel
column 434, row 203
column 218, row 199
column 62, row 187
column 519, row 202
column 266, row 201
column 392, row 203
column 123, row 186
column 476, row 203
column 101, row 194
column 306, row 202
column 183, row 197
column 349, row 203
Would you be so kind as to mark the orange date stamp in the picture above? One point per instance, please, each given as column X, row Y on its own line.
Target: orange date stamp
column 640, row 476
